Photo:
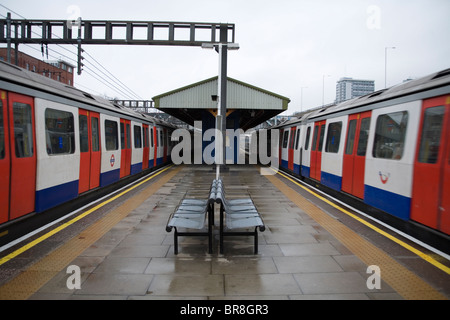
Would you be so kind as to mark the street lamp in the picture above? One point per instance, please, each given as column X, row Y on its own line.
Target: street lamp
column 385, row 64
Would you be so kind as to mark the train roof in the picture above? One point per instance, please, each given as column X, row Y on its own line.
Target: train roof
column 435, row 80
column 12, row 74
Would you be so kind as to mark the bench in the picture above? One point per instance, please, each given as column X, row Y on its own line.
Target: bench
column 240, row 214
column 191, row 214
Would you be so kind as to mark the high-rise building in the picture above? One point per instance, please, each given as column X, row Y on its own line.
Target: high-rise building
column 349, row 88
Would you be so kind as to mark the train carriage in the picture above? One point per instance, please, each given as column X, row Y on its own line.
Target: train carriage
column 389, row 150
column 57, row 143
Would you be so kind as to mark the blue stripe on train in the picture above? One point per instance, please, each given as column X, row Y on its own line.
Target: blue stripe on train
column 392, row 203
column 53, row 196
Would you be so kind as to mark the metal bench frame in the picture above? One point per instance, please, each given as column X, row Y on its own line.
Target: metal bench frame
column 240, row 213
column 190, row 212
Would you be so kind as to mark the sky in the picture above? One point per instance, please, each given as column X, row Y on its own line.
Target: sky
column 296, row 48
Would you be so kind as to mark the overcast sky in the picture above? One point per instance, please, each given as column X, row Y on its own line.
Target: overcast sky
column 284, row 44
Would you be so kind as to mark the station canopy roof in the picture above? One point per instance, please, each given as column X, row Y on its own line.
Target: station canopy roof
column 256, row 105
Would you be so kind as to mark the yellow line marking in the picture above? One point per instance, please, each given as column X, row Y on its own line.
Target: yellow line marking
column 371, row 226
column 81, row 216
column 34, row 277
column 405, row 282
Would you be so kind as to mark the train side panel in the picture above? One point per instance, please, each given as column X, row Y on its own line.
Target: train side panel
column 58, row 155
column 306, row 152
column 137, row 147
column 332, row 154
column 390, row 157
column 111, row 152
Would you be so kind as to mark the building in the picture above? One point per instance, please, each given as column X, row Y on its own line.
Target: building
column 58, row 70
column 349, row 88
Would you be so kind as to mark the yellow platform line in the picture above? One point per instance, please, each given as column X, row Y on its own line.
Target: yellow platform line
column 33, row 278
column 402, row 280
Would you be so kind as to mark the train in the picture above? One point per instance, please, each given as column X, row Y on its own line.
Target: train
column 58, row 144
column 387, row 152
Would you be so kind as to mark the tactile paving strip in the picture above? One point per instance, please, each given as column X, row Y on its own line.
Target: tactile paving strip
column 405, row 282
column 32, row 279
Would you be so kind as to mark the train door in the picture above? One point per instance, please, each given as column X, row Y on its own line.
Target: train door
column 151, row 161
column 125, row 139
column 291, row 149
column 280, row 145
column 21, row 151
column 166, row 144
column 146, row 148
column 5, row 161
column 354, row 163
column 90, row 151
column 316, row 150
column 431, row 181
column 156, row 140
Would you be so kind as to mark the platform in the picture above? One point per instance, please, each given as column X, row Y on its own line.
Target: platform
column 308, row 250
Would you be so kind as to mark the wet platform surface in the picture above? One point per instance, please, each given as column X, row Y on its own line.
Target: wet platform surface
column 134, row 258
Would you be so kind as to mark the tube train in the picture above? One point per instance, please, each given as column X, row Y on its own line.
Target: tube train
column 388, row 152
column 58, row 143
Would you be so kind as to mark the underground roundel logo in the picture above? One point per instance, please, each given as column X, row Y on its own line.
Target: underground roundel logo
column 112, row 160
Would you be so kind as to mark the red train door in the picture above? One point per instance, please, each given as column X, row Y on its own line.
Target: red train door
column 156, row 140
column 280, row 145
column 355, row 154
column 146, row 148
column 125, row 158
column 316, row 150
column 90, row 152
column 5, row 161
column 430, row 203
column 165, row 144
column 22, row 144
column 291, row 149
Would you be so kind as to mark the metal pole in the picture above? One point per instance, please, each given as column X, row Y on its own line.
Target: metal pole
column 221, row 118
column 8, row 36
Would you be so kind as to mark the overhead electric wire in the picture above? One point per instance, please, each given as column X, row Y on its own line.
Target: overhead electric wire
column 116, row 84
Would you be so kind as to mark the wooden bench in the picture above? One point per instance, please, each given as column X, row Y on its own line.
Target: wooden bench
column 191, row 214
column 240, row 214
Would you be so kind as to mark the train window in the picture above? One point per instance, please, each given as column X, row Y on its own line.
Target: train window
column 122, row 135
column 145, row 137
column 84, row 130
column 23, row 133
column 128, row 133
column 363, row 136
column 137, row 137
column 333, row 137
column 161, row 140
column 59, row 130
column 291, row 141
column 298, row 138
column 308, row 134
column 285, row 138
column 390, row 133
column 322, row 133
column 316, row 131
column 2, row 133
column 350, row 137
column 111, row 136
column 95, row 134
column 151, row 137
column 431, row 134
